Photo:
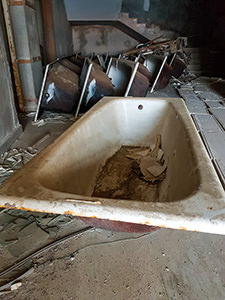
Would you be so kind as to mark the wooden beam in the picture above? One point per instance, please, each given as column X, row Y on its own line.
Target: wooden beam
column 46, row 8
column 12, row 51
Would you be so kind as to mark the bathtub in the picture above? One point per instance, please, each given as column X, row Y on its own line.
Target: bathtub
column 62, row 177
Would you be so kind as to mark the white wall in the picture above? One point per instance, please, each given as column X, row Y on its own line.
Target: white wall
column 100, row 39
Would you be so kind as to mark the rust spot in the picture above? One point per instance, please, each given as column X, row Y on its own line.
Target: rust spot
column 15, row 3
column 9, row 206
column 28, row 61
column 68, row 212
column 24, row 61
column 182, row 228
column 30, row 100
column 209, row 207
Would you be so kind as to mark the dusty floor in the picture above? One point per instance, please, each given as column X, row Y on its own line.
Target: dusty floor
column 97, row 264
column 166, row 264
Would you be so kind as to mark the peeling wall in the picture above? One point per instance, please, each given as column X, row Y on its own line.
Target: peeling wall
column 9, row 125
column 100, row 39
column 202, row 21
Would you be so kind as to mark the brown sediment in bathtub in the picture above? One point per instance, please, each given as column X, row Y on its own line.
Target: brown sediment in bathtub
column 121, row 178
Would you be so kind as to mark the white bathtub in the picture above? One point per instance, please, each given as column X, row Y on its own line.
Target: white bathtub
column 62, row 177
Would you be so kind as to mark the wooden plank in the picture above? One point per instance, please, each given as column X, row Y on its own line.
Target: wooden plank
column 13, row 55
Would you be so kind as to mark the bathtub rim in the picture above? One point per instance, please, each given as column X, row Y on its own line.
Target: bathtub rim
column 203, row 211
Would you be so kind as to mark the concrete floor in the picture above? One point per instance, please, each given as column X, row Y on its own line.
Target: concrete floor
column 100, row 264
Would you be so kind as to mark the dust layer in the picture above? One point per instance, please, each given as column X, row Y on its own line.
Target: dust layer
column 121, row 178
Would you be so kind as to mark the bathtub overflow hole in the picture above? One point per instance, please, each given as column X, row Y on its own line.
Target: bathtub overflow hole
column 140, row 107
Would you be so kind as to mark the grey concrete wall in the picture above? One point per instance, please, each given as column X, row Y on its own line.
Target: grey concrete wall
column 9, row 125
column 100, row 39
column 62, row 29
column 93, row 10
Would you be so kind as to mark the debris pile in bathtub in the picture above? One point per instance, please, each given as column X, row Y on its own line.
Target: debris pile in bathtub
column 74, row 84
column 151, row 162
column 133, row 173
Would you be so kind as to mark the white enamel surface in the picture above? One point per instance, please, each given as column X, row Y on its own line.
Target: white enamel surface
column 61, row 178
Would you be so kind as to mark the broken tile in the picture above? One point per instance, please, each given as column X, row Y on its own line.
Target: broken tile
column 219, row 114
column 215, row 104
column 206, row 123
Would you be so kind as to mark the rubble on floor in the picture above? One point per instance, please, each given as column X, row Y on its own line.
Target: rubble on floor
column 21, row 232
column 24, row 233
column 14, row 159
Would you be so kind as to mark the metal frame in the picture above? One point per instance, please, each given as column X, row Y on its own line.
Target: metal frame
column 131, row 79
column 109, row 65
column 172, row 60
column 101, row 61
column 160, row 71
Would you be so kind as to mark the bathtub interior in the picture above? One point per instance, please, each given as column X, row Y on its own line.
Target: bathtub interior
column 73, row 164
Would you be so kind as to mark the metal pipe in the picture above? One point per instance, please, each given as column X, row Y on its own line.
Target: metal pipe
column 157, row 77
column 101, row 61
column 83, row 69
column 109, row 65
column 131, row 79
column 137, row 58
column 174, row 55
column 83, row 89
column 106, row 57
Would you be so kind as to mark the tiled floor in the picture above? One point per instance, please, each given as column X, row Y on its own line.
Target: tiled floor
column 205, row 101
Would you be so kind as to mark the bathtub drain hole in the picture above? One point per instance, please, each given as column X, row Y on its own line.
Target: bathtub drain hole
column 140, row 107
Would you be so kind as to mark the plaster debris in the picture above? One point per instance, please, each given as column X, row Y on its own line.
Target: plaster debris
column 151, row 161
column 15, row 286
column 53, row 117
column 14, row 159
column 132, row 173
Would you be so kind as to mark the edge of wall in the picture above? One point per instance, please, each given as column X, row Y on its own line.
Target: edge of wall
column 11, row 138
